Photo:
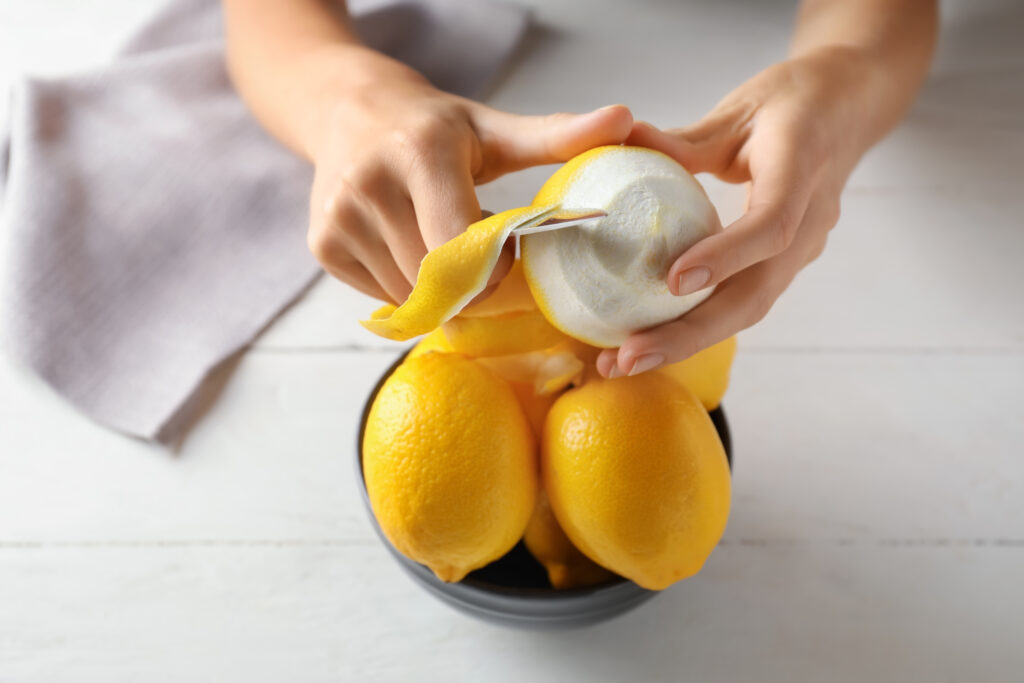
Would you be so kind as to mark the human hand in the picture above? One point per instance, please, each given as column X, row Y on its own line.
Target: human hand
column 794, row 132
column 397, row 162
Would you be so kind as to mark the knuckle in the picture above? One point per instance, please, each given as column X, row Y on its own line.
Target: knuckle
column 552, row 145
column 781, row 229
column 418, row 139
column 363, row 182
column 760, row 305
column 686, row 347
column 318, row 244
column 326, row 238
column 343, row 217
column 681, row 336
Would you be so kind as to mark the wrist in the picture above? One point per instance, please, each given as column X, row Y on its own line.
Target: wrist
column 336, row 76
column 859, row 95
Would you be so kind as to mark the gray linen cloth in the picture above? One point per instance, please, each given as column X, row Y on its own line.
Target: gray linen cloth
column 153, row 229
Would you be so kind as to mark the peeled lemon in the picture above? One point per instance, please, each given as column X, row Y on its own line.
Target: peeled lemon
column 605, row 279
column 450, row 463
column 598, row 282
column 637, row 477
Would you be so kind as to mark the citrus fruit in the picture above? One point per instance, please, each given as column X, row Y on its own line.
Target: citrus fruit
column 705, row 373
column 502, row 334
column 566, row 566
column 450, row 464
column 512, row 294
column 597, row 282
column 605, row 279
column 546, row 371
column 435, row 341
column 450, row 276
column 535, row 406
column 637, row 476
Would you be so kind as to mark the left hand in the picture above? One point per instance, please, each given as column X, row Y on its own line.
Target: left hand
column 794, row 132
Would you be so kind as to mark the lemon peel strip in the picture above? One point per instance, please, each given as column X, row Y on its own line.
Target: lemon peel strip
column 511, row 295
column 548, row 371
column 451, row 275
column 501, row 335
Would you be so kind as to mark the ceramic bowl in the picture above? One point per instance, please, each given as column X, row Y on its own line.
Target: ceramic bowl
column 514, row 590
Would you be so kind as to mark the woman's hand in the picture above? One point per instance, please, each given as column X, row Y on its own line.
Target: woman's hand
column 794, row 132
column 396, row 165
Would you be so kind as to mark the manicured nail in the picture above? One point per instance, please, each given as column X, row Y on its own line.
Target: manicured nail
column 693, row 279
column 614, row 372
column 645, row 363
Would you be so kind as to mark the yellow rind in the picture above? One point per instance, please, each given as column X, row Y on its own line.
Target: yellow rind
column 501, row 335
column 512, row 294
column 435, row 341
column 567, row 567
column 450, row 276
column 552, row 192
column 548, row 371
column 450, row 464
column 705, row 373
column 637, row 477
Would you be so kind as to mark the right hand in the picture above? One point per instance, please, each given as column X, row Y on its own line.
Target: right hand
column 396, row 165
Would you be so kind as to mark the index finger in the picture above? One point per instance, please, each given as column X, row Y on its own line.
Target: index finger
column 444, row 200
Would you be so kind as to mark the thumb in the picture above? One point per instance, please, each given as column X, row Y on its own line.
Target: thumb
column 511, row 142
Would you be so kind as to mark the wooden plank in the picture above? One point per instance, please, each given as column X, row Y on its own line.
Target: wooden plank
column 774, row 613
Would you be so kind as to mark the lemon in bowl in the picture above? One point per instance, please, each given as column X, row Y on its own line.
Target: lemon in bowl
column 516, row 589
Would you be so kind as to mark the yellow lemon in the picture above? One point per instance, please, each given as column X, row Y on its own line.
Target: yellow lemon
column 506, row 322
column 705, row 373
column 597, row 282
column 637, row 477
column 535, row 406
column 501, row 334
column 567, row 567
column 435, row 341
column 450, row 464
column 512, row 294
column 547, row 372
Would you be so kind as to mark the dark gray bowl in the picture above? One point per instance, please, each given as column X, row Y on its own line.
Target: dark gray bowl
column 514, row 590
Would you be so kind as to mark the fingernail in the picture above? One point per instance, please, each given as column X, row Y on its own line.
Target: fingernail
column 614, row 372
column 645, row 363
column 693, row 279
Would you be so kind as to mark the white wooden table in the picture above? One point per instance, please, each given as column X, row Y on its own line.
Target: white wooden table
column 877, row 531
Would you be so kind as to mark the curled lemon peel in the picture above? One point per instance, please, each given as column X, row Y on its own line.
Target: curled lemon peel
column 450, row 276
column 502, row 334
column 512, row 294
column 598, row 283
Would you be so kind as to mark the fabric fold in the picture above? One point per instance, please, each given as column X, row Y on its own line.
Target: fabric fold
column 152, row 229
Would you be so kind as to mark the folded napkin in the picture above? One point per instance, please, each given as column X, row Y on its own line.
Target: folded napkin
column 152, row 229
